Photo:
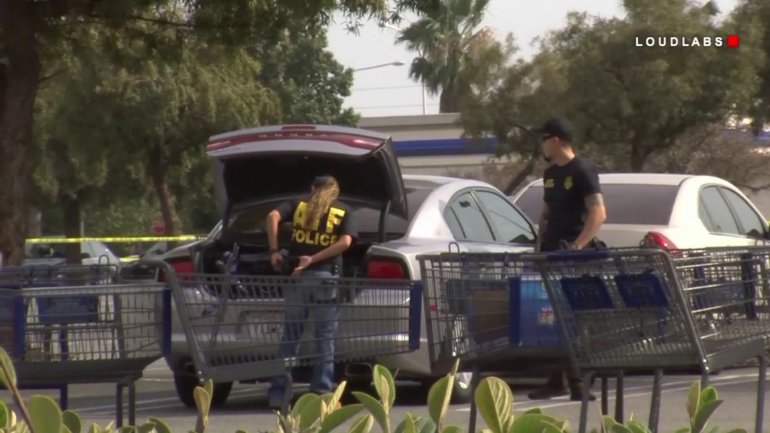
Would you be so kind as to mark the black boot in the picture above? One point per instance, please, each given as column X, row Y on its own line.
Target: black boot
column 576, row 389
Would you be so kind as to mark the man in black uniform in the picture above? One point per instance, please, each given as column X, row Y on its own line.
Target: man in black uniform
column 322, row 230
column 572, row 215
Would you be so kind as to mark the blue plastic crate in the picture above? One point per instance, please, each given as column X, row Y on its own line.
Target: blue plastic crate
column 532, row 321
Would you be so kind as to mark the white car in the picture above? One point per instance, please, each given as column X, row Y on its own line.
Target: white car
column 669, row 211
column 54, row 253
column 398, row 218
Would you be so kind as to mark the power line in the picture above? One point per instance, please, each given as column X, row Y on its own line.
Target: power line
column 366, row 89
column 382, row 107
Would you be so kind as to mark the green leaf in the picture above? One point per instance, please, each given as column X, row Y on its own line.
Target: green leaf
column 44, row 414
column 703, row 415
column 160, row 425
column 240, row 431
column 526, row 423
column 65, row 429
column 693, row 400
column 534, row 410
column 363, row 425
column 620, row 428
column 550, row 427
column 410, row 426
column 708, row 394
column 310, row 413
column 386, row 387
column 738, row 430
column 94, row 428
column 335, row 398
column 439, row 396
column 339, row 417
column 402, row 426
column 683, row 430
column 494, row 400
column 636, row 427
column 7, row 372
column 453, row 429
column 72, row 421
column 203, row 403
column 209, row 387
column 426, row 425
column 607, row 423
column 375, row 408
column 4, row 415
column 146, row 428
column 128, row 429
column 303, row 401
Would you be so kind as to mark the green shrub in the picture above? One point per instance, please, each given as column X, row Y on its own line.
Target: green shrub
column 325, row 414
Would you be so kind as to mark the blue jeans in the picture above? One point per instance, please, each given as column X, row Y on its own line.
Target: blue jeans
column 299, row 305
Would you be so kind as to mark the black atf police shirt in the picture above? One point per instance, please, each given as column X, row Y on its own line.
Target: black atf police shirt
column 337, row 221
column 565, row 190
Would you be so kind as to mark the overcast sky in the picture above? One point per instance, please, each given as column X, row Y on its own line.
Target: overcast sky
column 389, row 91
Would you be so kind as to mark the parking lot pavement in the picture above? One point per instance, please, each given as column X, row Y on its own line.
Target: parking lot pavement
column 246, row 407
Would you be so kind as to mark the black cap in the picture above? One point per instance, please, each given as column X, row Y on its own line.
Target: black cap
column 557, row 127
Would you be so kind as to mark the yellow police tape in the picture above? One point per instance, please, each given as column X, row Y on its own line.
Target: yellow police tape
column 115, row 239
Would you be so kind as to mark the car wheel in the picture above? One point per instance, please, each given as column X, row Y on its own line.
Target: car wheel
column 461, row 391
column 185, row 387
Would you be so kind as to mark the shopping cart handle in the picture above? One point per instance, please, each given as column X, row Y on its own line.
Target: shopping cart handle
column 566, row 256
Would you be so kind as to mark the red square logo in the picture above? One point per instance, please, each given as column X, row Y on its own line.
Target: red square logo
column 733, row 41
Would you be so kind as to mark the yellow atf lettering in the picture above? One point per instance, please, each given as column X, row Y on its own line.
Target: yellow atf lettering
column 299, row 236
column 334, row 219
column 324, row 240
column 299, row 214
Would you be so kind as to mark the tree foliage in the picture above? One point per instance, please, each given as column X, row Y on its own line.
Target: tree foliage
column 26, row 26
column 628, row 103
column 452, row 51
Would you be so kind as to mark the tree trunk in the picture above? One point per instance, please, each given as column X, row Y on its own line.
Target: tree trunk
column 448, row 101
column 157, row 169
column 71, row 209
column 526, row 171
column 19, row 92
column 637, row 158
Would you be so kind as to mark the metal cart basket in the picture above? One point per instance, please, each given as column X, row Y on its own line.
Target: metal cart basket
column 86, row 334
column 237, row 324
column 632, row 310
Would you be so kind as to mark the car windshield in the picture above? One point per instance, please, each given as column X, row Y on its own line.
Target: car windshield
column 35, row 250
column 636, row 204
column 251, row 220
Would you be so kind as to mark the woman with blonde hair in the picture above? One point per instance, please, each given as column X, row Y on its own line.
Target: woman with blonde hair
column 322, row 229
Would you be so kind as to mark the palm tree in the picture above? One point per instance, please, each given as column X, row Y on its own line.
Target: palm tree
column 445, row 38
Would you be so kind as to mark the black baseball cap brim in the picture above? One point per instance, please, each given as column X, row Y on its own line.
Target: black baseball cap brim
column 556, row 127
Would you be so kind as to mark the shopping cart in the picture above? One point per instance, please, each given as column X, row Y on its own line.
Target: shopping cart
column 487, row 309
column 738, row 277
column 630, row 310
column 482, row 306
column 236, row 324
column 26, row 276
column 62, row 335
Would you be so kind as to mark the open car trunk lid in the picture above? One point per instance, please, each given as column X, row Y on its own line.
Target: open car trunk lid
column 280, row 161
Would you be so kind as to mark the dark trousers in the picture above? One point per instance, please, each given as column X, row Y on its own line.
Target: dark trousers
column 556, row 379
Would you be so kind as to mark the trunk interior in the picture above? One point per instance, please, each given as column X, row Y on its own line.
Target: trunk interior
column 253, row 258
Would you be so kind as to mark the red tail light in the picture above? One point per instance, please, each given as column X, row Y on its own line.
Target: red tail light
column 180, row 266
column 658, row 240
column 386, row 268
